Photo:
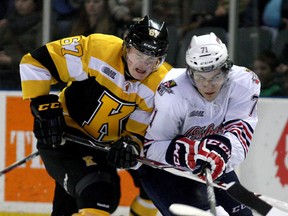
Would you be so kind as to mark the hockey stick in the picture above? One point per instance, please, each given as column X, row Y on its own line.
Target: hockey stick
column 263, row 205
column 18, row 163
column 210, row 191
column 246, row 197
column 234, row 189
column 154, row 164
column 182, row 209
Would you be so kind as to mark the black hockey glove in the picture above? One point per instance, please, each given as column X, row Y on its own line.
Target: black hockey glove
column 124, row 152
column 49, row 123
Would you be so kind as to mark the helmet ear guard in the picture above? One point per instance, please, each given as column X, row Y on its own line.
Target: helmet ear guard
column 227, row 65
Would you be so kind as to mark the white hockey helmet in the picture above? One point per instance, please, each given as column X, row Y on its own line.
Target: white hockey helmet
column 207, row 53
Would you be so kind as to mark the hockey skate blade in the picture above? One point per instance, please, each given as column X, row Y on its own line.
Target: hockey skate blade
column 181, row 209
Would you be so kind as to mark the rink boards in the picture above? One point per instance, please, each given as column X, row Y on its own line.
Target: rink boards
column 28, row 190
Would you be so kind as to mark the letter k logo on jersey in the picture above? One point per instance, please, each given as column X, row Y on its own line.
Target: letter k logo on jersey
column 88, row 160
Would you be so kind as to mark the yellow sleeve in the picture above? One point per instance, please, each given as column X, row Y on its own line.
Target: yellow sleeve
column 60, row 60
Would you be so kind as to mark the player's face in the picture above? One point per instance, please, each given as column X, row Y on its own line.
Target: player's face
column 210, row 83
column 139, row 64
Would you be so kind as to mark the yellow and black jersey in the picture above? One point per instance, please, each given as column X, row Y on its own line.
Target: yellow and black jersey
column 98, row 100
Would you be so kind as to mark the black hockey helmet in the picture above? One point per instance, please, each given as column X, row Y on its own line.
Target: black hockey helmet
column 149, row 36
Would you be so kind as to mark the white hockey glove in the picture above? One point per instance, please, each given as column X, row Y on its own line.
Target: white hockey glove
column 212, row 151
column 181, row 152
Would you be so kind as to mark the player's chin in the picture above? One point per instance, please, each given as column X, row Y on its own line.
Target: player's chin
column 140, row 76
column 209, row 97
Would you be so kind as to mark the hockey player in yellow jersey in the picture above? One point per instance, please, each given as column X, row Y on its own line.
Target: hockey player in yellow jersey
column 109, row 98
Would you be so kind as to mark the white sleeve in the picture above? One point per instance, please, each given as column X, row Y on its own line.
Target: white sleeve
column 157, row 151
column 165, row 125
column 241, row 118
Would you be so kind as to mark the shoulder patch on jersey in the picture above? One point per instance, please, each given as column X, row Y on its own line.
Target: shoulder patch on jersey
column 166, row 87
column 255, row 78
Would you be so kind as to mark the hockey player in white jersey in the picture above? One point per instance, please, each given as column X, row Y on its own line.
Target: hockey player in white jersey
column 204, row 116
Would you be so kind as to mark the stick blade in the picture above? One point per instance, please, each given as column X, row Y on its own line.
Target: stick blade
column 182, row 209
column 241, row 194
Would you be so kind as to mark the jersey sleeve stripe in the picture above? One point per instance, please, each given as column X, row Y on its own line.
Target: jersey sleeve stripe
column 242, row 130
column 136, row 127
column 242, row 141
column 107, row 71
column 147, row 94
column 42, row 55
column 75, row 68
column 31, row 72
column 140, row 116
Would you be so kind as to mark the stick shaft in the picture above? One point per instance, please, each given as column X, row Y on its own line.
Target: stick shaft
column 210, row 191
column 18, row 163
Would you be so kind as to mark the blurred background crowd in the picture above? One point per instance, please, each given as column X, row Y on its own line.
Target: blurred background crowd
column 261, row 42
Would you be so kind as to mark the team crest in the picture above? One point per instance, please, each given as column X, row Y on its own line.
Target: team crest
column 254, row 76
column 166, row 87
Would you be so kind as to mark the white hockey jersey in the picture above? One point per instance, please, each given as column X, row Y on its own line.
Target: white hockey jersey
column 181, row 110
